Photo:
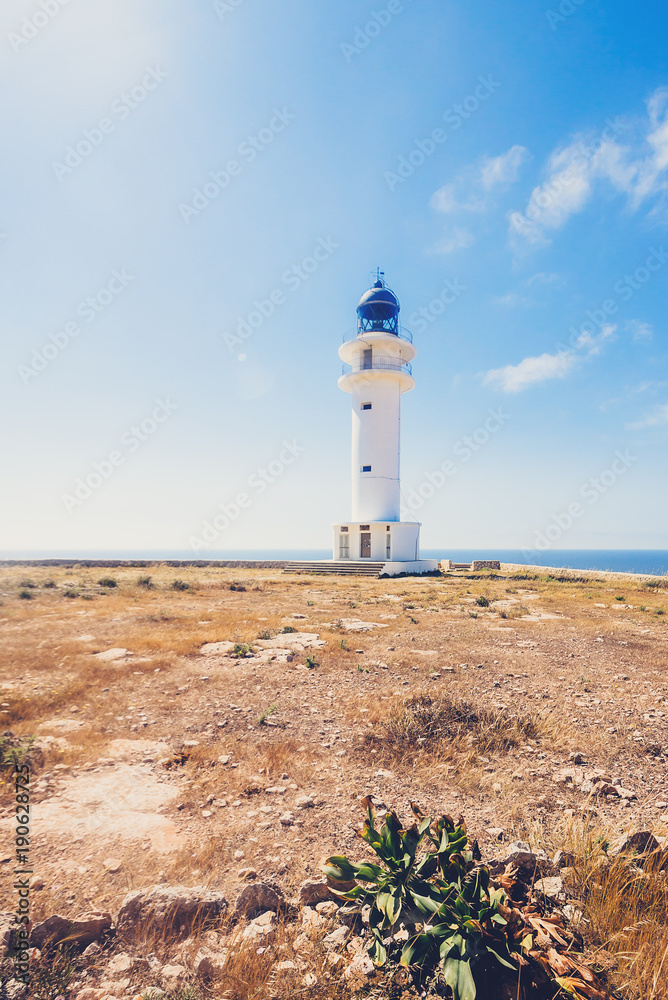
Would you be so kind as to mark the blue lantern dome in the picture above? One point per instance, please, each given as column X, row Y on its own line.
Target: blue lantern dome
column 378, row 310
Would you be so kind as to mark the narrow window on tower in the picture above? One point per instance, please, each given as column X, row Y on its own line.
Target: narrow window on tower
column 366, row 406
column 388, row 545
column 366, row 468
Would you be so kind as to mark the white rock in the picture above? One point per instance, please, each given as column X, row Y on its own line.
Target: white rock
column 116, row 653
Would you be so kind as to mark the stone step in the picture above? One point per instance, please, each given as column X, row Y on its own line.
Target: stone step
column 340, row 568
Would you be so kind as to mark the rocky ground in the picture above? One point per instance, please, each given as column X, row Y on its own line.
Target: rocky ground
column 218, row 728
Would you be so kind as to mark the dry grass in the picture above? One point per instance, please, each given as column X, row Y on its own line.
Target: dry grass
column 445, row 727
column 625, row 903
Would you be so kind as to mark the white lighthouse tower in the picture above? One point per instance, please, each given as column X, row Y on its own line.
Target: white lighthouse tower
column 376, row 372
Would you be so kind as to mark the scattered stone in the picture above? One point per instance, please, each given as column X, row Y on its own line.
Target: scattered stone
column 361, row 967
column 496, row 832
column 328, row 908
column 109, row 655
column 167, row 907
column 247, row 873
column 642, row 842
column 208, row 963
column 337, row 938
column 309, row 980
column 112, row 865
column 120, row 964
column 216, row 648
column 304, row 801
column 239, row 855
column 311, row 893
column 553, row 888
column 276, row 790
column 173, row 976
column 261, row 930
column 287, row 819
column 37, row 883
column 258, row 897
column 83, row 930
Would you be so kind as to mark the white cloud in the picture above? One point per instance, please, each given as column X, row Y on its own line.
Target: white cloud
column 445, row 200
column 503, row 169
column 658, row 417
column 458, row 239
column 544, row 278
column 639, row 329
column 512, row 299
column 515, row 378
column 468, row 191
column 592, row 343
column 573, row 171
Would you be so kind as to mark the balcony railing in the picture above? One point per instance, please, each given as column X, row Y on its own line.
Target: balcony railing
column 402, row 333
column 377, row 363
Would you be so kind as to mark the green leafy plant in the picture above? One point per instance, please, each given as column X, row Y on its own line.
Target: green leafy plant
column 241, row 651
column 108, row 582
column 344, row 644
column 482, row 602
column 287, row 629
column 25, row 595
column 265, row 715
column 70, row 593
column 180, row 585
column 442, row 894
column 50, row 584
column 311, row 662
column 145, row 581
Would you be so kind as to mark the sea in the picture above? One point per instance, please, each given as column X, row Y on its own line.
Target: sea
column 645, row 561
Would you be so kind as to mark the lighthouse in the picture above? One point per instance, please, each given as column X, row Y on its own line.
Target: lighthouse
column 377, row 372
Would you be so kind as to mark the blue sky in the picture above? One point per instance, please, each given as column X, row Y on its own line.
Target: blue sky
column 173, row 172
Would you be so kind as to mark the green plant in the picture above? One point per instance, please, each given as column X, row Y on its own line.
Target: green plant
column 311, row 662
column 482, row 602
column 50, row 584
column 620, row 598
column 344, row 644
column 265, row 715
column 70, row 593
column 237, row 587
column 264, row 634
column 107, row 581
column 473, row 614
column 25, row 595
column 180, row 585
column 362, row 670
column 51, row 975
column 145, row 581
column 310, row 604
column 241, row 651
column 288, row 628
column 442, row 894
column 17, row 750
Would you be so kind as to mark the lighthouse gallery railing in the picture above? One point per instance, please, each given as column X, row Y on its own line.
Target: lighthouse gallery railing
column 377, row 363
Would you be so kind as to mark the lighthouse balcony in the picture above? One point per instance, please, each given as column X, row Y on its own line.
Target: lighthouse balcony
column 377, row 363
column 363, row 369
